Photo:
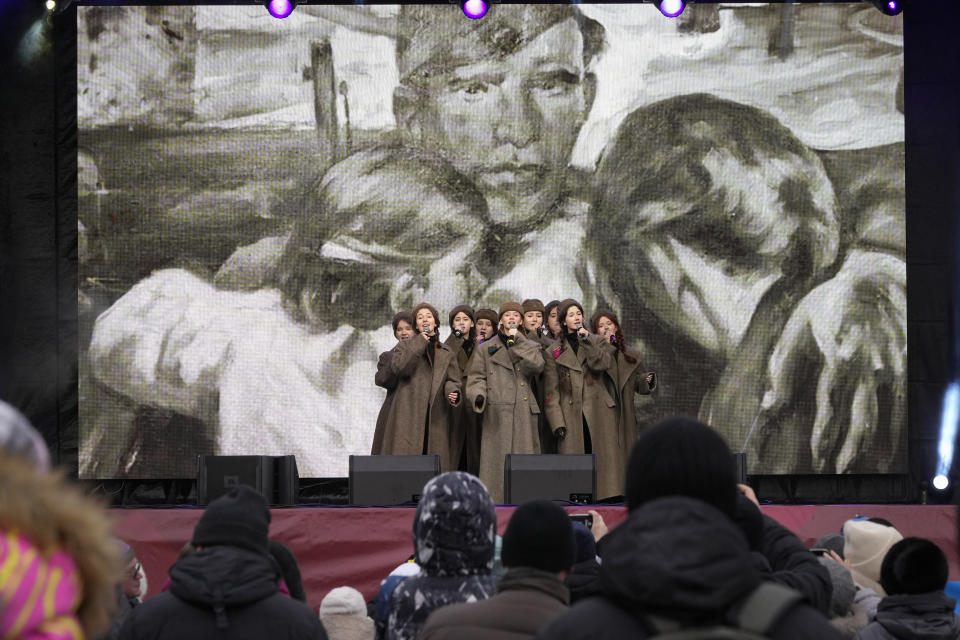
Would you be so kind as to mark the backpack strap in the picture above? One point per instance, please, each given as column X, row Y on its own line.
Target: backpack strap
column 764, row 607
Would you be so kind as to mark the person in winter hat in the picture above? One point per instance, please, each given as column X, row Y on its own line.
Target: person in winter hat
column 344, row 615
column 584, row 578
column 538, row 551
column 914, row 575
column 865, row 544
column 453, row 537
column 228, row 586
column 54, row 540
column 678, row 555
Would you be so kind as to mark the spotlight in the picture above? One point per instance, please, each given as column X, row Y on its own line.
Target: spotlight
column 889, row 7
column 280, row 8
column 51, row 5
column 670, row 8
column 474, row 9
column 941, row 482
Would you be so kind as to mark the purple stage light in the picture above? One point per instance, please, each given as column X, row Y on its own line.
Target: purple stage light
column 671, row 8
column 280, row 8
column 893, row 5
column 475, row 9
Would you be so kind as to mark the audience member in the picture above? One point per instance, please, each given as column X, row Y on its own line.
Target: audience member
column 584, row 578
column 830, row 542
column 914, row 575
column 453, row 535
column 227, row 588
column 131, row 591
column 344, row 615
column 538, row 551
column 289, row 569
column 384, row 597
column 846, row 616
column 865, row 544
column 679, row 556
column 54, row 540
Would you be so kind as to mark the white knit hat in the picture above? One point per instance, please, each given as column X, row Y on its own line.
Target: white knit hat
column 344, row 615
column 343, row 601
column 865, row 544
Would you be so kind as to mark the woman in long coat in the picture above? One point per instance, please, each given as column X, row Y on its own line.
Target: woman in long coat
column 418, row 417
column 462, row 340
column 629, row 377
column 498, row 386
column 580, row 399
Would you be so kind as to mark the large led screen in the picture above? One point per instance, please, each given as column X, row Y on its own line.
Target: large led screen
column 259, row 197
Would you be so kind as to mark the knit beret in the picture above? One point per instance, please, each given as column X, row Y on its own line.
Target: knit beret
column 532, row 304
column 462, row 308
column 488, row 314
column 511, row 306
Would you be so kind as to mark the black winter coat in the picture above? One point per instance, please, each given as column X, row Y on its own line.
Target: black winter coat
column 678, row 558
column 925, row 616
column 223, row 592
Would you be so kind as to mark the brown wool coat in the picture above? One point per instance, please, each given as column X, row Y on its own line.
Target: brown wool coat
column 498, row 386
column 417, row 396
column 631, row 379
column 468, row 422
column 593, row 397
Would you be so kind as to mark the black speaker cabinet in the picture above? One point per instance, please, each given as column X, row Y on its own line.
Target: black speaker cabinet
column 569, row 478
column 274, row 477
column 390, row 480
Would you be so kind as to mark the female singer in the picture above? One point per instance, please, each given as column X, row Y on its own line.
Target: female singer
column 486, row 324
column 550, row 323
column 629, row 377
column 580, row 401
column 423, row 373
column 462, row 340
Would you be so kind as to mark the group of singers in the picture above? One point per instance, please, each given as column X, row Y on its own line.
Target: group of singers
column 526, row 379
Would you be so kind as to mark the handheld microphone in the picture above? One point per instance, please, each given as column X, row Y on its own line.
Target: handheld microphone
column 613, row 338
column 580, row 335
column 511, row 339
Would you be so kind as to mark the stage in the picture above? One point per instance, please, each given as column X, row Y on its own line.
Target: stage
column 359, row 546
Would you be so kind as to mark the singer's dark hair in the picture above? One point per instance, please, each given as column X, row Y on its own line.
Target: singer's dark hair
column 546, row 317
column 562, row 309
column 621, row 342
column 405, row 316
column 389, row 212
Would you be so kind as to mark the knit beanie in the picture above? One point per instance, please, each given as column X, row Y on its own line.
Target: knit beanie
column 488, row 314
column 511, row 306
column 681, row 456
column 865, row 544
column 462, row 308
column 539, row 535
column 830, row 542
column 562, row 309
column 586, row 544
column 843, row 588
column 914, row 566
column 344, row 615
column 238, row 518
column 429, row 307
column 532, row 304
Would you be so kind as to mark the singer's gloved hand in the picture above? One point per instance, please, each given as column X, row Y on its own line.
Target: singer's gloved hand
column 561, row 433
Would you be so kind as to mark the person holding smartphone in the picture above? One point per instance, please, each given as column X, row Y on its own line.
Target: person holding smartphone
column 426, row 380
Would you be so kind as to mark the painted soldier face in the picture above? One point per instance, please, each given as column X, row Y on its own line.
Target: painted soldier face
column 404, row 330
column 573, row 319
column 606, row 327
column 510, row 123
column 532, row 320
column 462, row 322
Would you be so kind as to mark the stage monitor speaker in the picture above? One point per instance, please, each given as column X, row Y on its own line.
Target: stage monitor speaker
column 274, row 477
column 390, row 480
column 740, row 461
column 568, row 478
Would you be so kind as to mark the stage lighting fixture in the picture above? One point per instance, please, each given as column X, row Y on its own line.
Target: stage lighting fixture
column 51, row 5
column 670, row 8
column 941, row 482
column 474, row 9
column 889, row 7
column 280, row 8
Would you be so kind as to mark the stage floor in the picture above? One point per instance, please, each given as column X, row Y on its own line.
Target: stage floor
column 359, row 546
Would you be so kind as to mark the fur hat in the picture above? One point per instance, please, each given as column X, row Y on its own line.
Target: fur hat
column 532, row 304
column 344, row 615
column 488, row 314
column 843, row 588
column 238, row 518
column 429, row 307
column 680, row 456
column 539, row 535
column 510, row 306
column 913, row 566
column 865, row 544
column 467, row 309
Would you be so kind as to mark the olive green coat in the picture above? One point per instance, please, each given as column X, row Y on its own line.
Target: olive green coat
column 592, row 396
column 631, row 379
column 417, row 397
column 498, row 386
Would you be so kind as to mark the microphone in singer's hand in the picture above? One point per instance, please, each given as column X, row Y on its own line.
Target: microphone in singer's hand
column 511, row 339
column 579, row 333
